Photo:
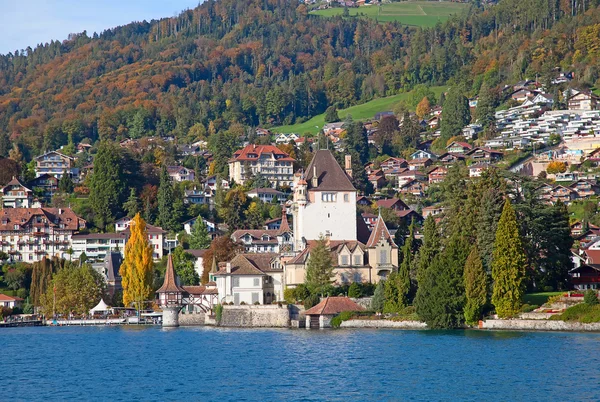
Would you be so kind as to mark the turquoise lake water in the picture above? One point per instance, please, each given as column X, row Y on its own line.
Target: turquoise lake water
column 205, row 364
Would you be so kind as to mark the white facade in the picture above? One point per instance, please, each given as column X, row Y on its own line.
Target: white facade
column 248, row 289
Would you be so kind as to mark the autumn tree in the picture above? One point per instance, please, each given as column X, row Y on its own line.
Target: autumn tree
column 556, row 167
column 136, row 270
column 423, row 108
column 222, row 249
column 508, row 264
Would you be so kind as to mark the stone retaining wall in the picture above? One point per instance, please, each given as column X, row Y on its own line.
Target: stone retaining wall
column 191, row 319
column 538, row 325
column 269, row 316
column 383, row 324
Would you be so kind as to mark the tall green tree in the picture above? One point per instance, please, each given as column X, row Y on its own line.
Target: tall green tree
column 486, row 105
column 65, row 184
column 319, row 270
column 106, row 185
column 183, row 262
column 132, row 205
column 508, row 265
column 430, row 248
column 475, row 287
column 199, row 238
column 456, row 115
column 5, row 145
column 166, row 202
column 489, row 192
column 378, row 300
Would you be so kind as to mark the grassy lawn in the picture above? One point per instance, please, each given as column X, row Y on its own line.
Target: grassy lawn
column 358, row 112
column 416, row 13
column 539, row 298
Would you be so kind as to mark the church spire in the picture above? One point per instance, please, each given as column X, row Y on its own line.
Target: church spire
column 285, row 226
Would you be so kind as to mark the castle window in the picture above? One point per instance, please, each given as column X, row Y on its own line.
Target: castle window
column 328, row 197
column 383, row 257
column 357, row 260
column 346, row 198
column 344, row 260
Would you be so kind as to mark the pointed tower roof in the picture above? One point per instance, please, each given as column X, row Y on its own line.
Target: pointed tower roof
column 285, row 226
column 380, row 231
column 170, row 283
column 330, row 175
column 214, row 268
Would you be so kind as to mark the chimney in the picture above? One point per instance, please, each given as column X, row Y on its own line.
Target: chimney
column 60, row 211
column 228, row 267
column 315, row 178
column 348, row 160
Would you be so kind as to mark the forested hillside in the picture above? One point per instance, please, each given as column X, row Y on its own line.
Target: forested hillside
column 267, row 62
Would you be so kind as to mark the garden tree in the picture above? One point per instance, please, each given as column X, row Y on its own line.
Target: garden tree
column 13, row 277
column 222, row 145
column 441, row 295
column 222, row 249
column 166, row 202
column 258, row 181
column 232, row 211
column 508, row 265
column 275, row 211
column 556, row 167
column 423, row 108
column 331, row 115
column 106, row 185
column 183, row 262
column 408, row 136
column 199, row 238
column 486, row 105
column 378, row 300
column 65, row 184
column 75, row 288
column 354, row 290
column 384, row 136
column 136, row 270
column 395, row 291
column 420, row 92
column 430, row 247
column 456, row 115
column 407, row 268
column 475, row 287
column 319, row 270
column 359, row 179
column 254, row 217
column 132, row 205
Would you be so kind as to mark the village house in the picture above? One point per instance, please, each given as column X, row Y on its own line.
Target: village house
column 266, row 160
column 363, row 201
column 16, row 195
column 266, row 240
column 585, row 276
column 583, row 101
column 29, row 234
column 410, row 175
column 377, row 179
column 199, row 196
column 10, row 301
column 457, row 147
column 437, row 174
column 395, row 204
column 266, row 195
column 393, row 163
column 422, row 154
column 479, row 153
column 370, row 219
column 432, row 210
column 585, row 188
column 46, row 185
column 320, row 316
column 55, row 164
column 416, row 164
column 415, row 188
column 180, row 173
column 250, row 279
column 450, row 159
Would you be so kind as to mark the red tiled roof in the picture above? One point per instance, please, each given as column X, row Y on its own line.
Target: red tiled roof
column 54, row 216
column 4, row 297
column 170, row 283
column 247, row 154
column 593, row 256
column 391, row 202
column 380, row 231
column 249, row 264
column 334, row 305
column 200, row 290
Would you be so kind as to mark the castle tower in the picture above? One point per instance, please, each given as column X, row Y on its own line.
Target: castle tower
column 170, row 297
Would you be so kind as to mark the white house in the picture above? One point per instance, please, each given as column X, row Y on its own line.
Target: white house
column 16, row 195
column 199, row 263
column 10, row 301
column 250, row 279
column 210, row 226
column 55, row 164
column 266, row 195
column 181, row 173
column 420, row 154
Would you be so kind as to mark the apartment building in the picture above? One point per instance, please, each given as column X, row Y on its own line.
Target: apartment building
column 266, row 160
column 55, row 164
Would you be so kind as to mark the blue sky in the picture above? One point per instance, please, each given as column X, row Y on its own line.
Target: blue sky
column 30, row 22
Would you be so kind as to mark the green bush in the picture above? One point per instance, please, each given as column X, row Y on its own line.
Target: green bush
column 218, row 313
column 301, row 292
column 336, row 321
column 355, row 290
column 257, row 303
column 585, row 313
column 548, row 289
column 311, row 301
column 590, row 297
column 341, row 317
column 242, row 303
column 289, row 295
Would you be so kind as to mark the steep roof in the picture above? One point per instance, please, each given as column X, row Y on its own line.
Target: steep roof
column 380, row 231
column 16, row 182
column 198, row 253
column 331, row 176
column 253, row 152
column 200, row 290
column 250, row 264
column 112, row 263
column 392, row 202
column 170, row 284
column 284, row 226
column 334, row 305
column 54, row 217
column 4, row 297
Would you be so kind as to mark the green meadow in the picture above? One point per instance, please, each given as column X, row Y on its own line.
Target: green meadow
column 415, row 13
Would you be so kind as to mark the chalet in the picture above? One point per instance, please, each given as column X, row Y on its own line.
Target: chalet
column 540, row 99
column 563, row 194
column 272, row 224
column 433, row 122
column 586, row 276
column 46, row 185
column 265, row 240
column 423, row 163
column 410, row 175
column 181, row 173
column 333, row 127
column 393, row 163
column 585, row 188
column 432, row 210
column 450, row 159
column 55, row 164
column 394, row 204
column 521, row 95
column 578, row 228
column 436, row 111
column 392, row 175
column 583, row 101
column 16, row 195
column 414, row 187
column 476, row 169
column 377, row 179
column 421, row 154
column 437, row 174
column 262, row 132
column 199, row 196
column 362, row 200
column 457, row 147
column 266, row 195
column 479, row 153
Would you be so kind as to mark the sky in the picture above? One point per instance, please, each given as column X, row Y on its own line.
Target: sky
column 31, row 22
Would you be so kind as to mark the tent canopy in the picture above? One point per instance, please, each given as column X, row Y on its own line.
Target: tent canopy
column 101, row 306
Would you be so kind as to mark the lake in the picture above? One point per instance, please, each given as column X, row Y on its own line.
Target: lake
column 202, row 364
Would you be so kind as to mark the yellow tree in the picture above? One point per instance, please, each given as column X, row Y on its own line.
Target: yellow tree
column 136, row 270
column 423, row 108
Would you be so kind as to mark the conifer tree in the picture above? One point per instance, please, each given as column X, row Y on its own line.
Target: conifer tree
column 456, row 115
column 5, row 145
column 395, row 299
column 475, row 287
column 200, row 238
column 430, row 247
column 132, row 205
column 489, row 193
column 319, row 270
column 508, row 265
column 378, row 300
column 106, row 185
column 404, row 270
column 136, row 270
column 166, row 201
column 65, row 184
